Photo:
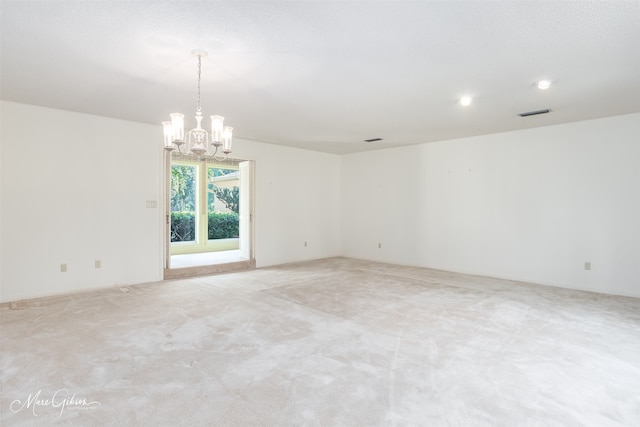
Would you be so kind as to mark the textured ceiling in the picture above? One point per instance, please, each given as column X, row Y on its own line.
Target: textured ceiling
column 327, row 75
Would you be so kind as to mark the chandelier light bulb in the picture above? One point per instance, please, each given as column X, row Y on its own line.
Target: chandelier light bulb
column 216, row 129
column 168, row 135
column 465, row 101
column 177, row 124
column 227, row 134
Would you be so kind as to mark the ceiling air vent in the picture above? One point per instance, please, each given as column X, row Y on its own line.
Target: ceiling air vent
column 373, row 140
column 535, row 113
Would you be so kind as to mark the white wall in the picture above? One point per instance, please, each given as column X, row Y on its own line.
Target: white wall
column 530, row 205
column 297, row 200
column 74, row 189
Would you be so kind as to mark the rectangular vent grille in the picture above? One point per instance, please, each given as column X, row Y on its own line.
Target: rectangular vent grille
column 535, row 113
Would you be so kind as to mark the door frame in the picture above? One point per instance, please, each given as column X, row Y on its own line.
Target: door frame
column 247, row 216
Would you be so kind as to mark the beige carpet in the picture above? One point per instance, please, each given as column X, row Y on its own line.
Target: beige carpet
column 334, row 342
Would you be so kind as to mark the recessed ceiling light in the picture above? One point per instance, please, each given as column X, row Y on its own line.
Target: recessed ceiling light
column 543, row 84
column 465, row 101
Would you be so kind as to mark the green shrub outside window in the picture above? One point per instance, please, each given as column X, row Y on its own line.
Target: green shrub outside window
column 222, row 225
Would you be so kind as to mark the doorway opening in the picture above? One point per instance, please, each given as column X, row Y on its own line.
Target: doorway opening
column 209, row 216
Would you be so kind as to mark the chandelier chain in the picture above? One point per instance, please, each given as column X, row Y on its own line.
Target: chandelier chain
column 198, row 109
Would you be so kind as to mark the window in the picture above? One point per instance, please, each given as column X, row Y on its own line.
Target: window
column 204, row 207
column 183, row 202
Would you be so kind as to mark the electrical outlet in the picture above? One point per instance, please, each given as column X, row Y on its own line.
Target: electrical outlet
column 379, row 245
column 98, row 263
column 63, row 268
column 587, row 265
column 305, row 244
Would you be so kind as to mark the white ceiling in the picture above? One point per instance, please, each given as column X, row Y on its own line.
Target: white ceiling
column 325, row 75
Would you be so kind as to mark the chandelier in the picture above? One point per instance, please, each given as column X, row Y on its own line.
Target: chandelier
column 198, row 141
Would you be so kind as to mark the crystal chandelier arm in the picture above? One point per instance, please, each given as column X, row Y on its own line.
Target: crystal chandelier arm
column 215, row 152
